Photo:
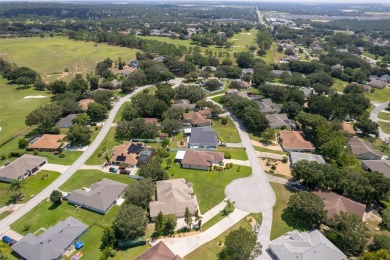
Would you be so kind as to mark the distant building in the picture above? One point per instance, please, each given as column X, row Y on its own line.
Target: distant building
column 338, row 67
column 232, row 91
column 363, row 150
column 377, row 84
column 278, row 121
column 293, row 141
column 342, row 51
column 279, row 73
column 159, row 58
column 287, row 59
column 246, row 71
column 268, row 107
column 148, row 120
column 21, row 168
column 132, row 154
column 198, row 119
column 134, row 63
column 83, row 103
column 382, row 166
column 184, row 104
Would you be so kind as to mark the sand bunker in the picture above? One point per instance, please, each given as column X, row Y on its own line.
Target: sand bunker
column 27, row 97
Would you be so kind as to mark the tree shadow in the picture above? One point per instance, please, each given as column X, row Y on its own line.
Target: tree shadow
column 55, row 206
column 295, row 221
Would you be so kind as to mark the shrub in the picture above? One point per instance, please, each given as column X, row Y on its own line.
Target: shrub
column 224, row 121
column 3, row 157
column 66, row 70
column 165, row 142
column 61, row 155
column 35, row 152
column 386, row 219
column 268, row 163
column 23, row 143
column 380, row 242
column 271, row 171
column 15, row 154
column 285, row 159
column 99, row 155
column 113, row 253
column 273, row 167
column 26, row 226
column 227, row 155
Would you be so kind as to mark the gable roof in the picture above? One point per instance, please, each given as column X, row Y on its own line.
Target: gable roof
column 348, row 128
column 159, row 252
column 381, row 166
column 195, row 118
column 267, row 106
column 296, row 157
column 377, row 84
column 101, row 195
column 173, row 197
column 205, row 112
column 334, row 204
column 67, row 121
column 48, row 141
column 305, row 246
column 183, row 103
column 83, row 103
column 295, row 140
column 52, row 243
column 18, row 167
column 202, row 158
column 203, row 135
column 278, row 120
column 360, row 147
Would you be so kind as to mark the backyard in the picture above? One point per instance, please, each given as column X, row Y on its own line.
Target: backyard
column 226, row 133
column 236, row 153
column 339, row 85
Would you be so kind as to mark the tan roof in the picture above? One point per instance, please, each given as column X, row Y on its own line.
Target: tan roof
column 334, row 204
column 205, row 112
column 202, row 158
column 49, row 142
column 83, row 103
column 295, row 140
column 360, row 147
column 173, row 197
column 196, row 118
column 149, row 120
column 19, row 167
column 243, row 84
column 125, row 154
column 348, row 128
column 159, row 252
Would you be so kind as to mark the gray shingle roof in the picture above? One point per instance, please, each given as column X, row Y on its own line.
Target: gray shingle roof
column 52, row 243
column 381, row 166
column 203, row 135
column 66, row 122
column 296, row 157
column 21, row 165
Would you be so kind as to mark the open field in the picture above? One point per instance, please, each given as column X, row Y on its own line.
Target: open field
column 272, row 56
column 226, row 133
column 339, row 85
column 385, row 126
column 52, row 55
column 380, row 95
column 279, row 226
column 384, row 116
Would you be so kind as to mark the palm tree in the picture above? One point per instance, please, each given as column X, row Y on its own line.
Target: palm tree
column 17, row 186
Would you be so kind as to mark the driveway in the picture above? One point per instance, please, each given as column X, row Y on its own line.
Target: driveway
column 10, row 219
column 374, row 117
column 55, row 167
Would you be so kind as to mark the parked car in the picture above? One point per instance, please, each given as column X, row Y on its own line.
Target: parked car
column 125, row 171
column 13, row 241
column 113, row 170
column 6, row 239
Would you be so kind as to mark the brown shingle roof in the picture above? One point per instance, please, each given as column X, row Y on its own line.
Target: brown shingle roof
column 334, row 204
column 294, row 140
column 149, row 120
column 159, row 252
column 202, row 158
column 83, row 103
column 196, row 118
column 205, row 112
column 348, row 128
column 123, row 153
column 48, row 142
column 360, row 147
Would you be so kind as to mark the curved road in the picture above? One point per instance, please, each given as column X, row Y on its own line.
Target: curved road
column 374, row 117
column 10, row 219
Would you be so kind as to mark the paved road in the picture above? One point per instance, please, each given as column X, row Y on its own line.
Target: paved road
column 374, row 117
column 10, row 219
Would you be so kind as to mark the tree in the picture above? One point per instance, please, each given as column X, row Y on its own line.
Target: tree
column 198, row 219
column 377, row 255
column 81, row 119
column 254, row 119
column 380, row 241
column 173, row 113
column 97, row 112
column 239, row 245
column 58, row 87
column 140, row 193
column 165, row 93
column 153, row 170
column 79, row 135
column 16, row 187
column 268, row 135
column 159, row 225
column 349, row 233
column 306, row 209
column 108, row 239
column 128, row 85
column 130, row 222
column 22, row 143
column 367, row 126
column 386, row 218
column 45, row 117
column 171, row 125
column 244, row 59
column 188, row 217
column 56, row 196
column 130, row 112
column 212, row 85
column 170, row 223
column 94, row 83
column 321, row 78
column 78, row 84
column 291, row 108
column 193, row 94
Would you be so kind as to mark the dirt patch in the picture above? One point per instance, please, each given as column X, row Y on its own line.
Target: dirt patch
column 39, row 96
column 280, row 168
column 268, row 146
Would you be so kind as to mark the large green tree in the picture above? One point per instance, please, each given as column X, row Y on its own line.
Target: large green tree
column 97, row 112
column 239, row 245
column 79, row 135
column 130, row 222
column 140, row 193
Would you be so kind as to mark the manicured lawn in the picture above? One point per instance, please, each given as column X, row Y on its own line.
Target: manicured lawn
column 279, row 226
column 262, row 149
column 213, row 221
column 339, row 85
column 84, row 178
column 209, row 186
column 372, row 107
column 33, row 185
column 217, row 99
column 131, row 253
column 236, row 153
column 380, row 95
column 226, row 133
column 177, row 138
column 69, row 159
column 385, row 126
column 52, row 55
column 371, row 56
column 108, row 143
column 384, row 116
column 4, row 214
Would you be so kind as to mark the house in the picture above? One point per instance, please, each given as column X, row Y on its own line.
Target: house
column 201, row 160
column 159, row 58
column 348, row 128
column 205, row 112
column 196, row 119
column 48, row 142
column 52, row 243
column 173, row 197
column 382, row 166
column 385, row 78
column 377, row 84
column 66, row 122
column 184, row 104
column 296, row 157
column 268, row 107
column 278, row 121
column 367, row 88
column 232, row 91
column 246, row 71
column 287, row 59
column 99, row 197
column 338, row 67
column 148, row 120
column 363, row 150
column 132, row 154
column 126, row 71
column 316, row 49
column 115, row 83
column 288, row 46
column 134, row 63
column 334, row 204
column 279, row 73
column 203, row 137
column 293, row 141
column 304, row 245
column 21, row 168
column 342, row 51
column 243, row 84
column 307, row 91
column 159, row 252
column 83, row 103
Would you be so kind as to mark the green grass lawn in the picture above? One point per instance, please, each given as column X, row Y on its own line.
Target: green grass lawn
column 84, row 178
column 262, row 149
column 209, row 186
column 376, row 144
column 384, row 116
column 52, row 55
column 236, row 153
column 226, row 133
column 385, row 126
column 178, row 137
column 33, row 185
column 108, row 143
column 214, row 220
column 339, row 85
column 131, row 253
column 217, row 99
column 14, row 107
column 273, row 56
column 380, row 95
column 371, row 56
column 279, row 226
column 372, row 107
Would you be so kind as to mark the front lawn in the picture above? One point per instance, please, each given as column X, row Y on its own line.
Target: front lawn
column 33, row 185
column 236, row 153
column 385, row 126
column 384, row 116
column 84, row 178
column 226, row 133
column 217, row 99
column 380, row 95
column 98, row 157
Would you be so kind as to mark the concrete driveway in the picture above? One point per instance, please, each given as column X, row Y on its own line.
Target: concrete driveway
column 374, row 117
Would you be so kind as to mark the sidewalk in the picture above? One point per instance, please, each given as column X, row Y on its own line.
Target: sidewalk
column 264, row 235
column 213, row 212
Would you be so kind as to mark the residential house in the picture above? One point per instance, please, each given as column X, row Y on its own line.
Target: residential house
column 279, row 73
column 48, row 142
column 149, row 120
column 159, row 252
column 159, row 58
column 382, row 166
column 205, row 112
column 307, row 91
column 232, row 91
column 288, row 46
column 367, row 88
column 99, row 197
column 293, row 141
column 363, row 150
column 297, row 156
column 201, row 160
column 334, row 204
column 338, row 67
column 246, row 71
column 377, row 84
column 53, row 242
column 268, row 107
column 184, row 104
column 385, row 78
column 304, row 245
column 243, row 84
column 115, row 83
column 278, row 121
column 196, row 119
column 342, row 50
column 21, row 168
column 173, row 197
column 83, row 103
column 203, row 137
column 132, row 154
column 126, row 71
column 66, row 122
column 287, row 59
column 348, row 128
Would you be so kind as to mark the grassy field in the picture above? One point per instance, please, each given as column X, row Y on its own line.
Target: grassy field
column 217, row 99
column 273, row 56
column 226, row 133
column 84, row 178
column 52, row 55
column 384, row 116
column 14, row 107
column 236, row 153
column 33, row 185
column 380, row 95
column 339, row 85
column 209, row 186
column 385, row 126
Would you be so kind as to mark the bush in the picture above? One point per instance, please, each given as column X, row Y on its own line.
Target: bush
column 271, row 171
column 3, row 157
column 380, row 242
column 268, row 163
column 285, row 159
column 113, row 253
column 386, row 219
column 23, row 143
column 227, row 155
column 165, row 142
column 35, row 152
column 26, row 226
column 15, row 154
column 273, row 167
column 61, row 155
column 224, row 121
column 66, row 70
